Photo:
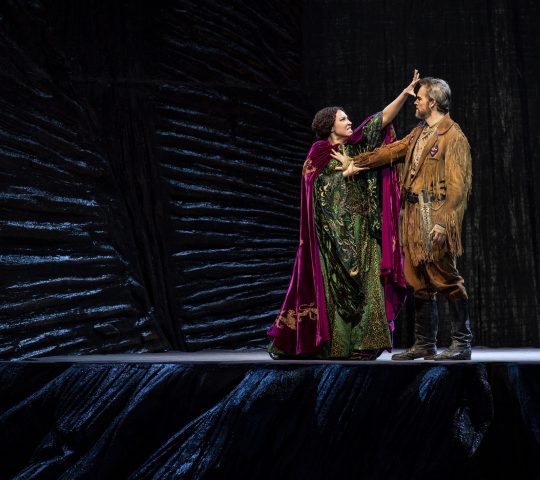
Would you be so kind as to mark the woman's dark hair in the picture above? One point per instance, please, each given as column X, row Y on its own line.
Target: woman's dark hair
column 324, row 121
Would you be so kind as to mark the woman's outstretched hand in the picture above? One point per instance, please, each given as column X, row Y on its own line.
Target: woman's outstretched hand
column 347, row 165
column 410, row 88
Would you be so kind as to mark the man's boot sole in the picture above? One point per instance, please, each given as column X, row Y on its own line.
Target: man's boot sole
column 425, row 357
column 461, row 356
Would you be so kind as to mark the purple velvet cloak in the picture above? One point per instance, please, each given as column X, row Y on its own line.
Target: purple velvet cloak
column 302, row 327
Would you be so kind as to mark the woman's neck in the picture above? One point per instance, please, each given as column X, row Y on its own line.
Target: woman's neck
column 333, row 139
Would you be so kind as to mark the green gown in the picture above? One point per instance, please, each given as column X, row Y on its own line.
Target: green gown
column 348, row 222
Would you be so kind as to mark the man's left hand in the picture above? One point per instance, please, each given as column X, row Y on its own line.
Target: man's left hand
column 438, row 235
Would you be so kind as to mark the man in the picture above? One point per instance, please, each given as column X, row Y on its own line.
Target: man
column 435, row 183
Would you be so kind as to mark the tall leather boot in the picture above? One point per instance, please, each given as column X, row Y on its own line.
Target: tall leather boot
column 460, row 348
column 426, row 321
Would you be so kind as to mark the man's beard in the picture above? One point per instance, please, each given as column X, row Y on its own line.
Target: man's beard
column 420, row 116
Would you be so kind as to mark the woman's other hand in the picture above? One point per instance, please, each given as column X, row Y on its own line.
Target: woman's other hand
column 341, row 158
column 347, row 165
column 352, row 170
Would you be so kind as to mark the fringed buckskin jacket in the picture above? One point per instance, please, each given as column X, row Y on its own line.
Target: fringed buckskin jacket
column 444, row 170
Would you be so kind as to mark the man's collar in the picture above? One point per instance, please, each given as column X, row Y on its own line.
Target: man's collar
column 445, row 124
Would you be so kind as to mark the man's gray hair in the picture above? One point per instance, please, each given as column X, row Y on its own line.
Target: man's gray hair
column 438, row 90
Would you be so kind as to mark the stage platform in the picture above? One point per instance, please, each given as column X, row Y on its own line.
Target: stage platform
column 256, row 356
column 239, row 414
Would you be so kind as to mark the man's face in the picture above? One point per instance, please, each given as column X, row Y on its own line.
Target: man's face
column 424, row 105
column 342, row 125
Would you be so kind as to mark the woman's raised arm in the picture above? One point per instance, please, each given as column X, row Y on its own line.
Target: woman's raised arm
column 392, row 109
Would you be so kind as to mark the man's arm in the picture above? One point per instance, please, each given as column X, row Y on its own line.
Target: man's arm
column 385, row 155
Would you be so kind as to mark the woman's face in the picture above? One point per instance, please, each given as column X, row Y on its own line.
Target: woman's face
column 342, row 125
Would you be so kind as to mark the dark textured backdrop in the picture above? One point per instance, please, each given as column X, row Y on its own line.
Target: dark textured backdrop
column 151, row 156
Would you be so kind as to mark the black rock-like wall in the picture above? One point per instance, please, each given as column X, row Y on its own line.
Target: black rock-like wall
column 151, row 163
column 70, row 276
column 209, row 421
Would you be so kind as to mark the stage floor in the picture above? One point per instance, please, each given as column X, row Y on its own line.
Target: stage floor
column 260, row 356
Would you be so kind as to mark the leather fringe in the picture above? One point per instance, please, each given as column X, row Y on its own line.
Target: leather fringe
column 451, row 178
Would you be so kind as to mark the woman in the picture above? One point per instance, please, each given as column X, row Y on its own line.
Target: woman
column 335, row 305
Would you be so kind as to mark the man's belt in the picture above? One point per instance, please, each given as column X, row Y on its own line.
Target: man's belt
column 413, row 197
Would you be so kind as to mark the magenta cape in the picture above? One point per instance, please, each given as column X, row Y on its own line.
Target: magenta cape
column 302, row 324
